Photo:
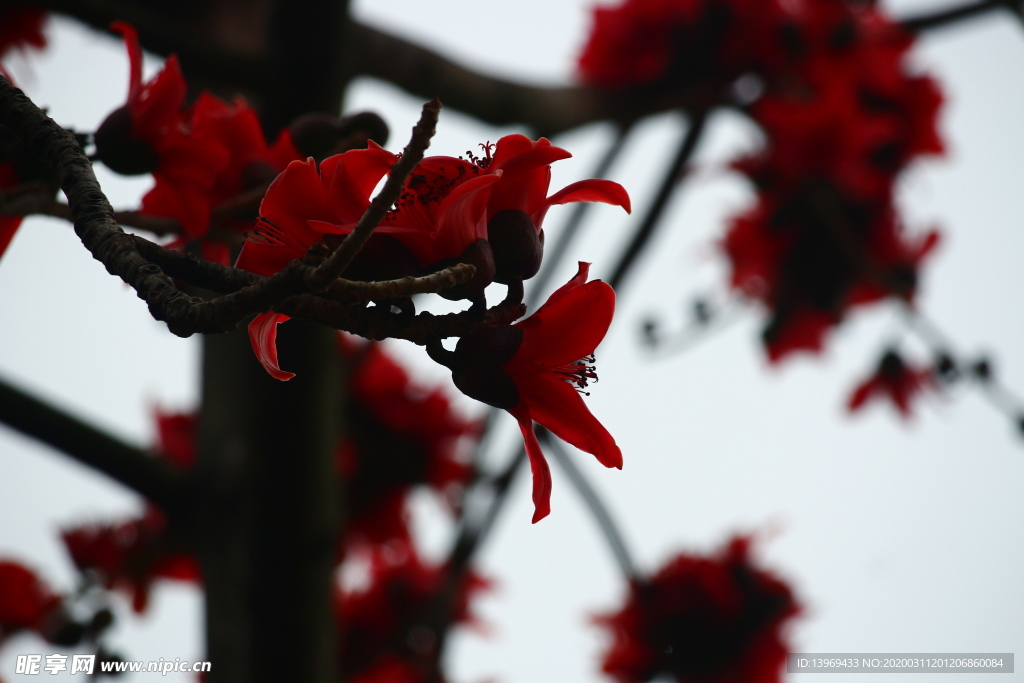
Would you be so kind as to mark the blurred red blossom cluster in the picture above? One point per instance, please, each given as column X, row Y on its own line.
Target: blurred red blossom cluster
column 717, row 619
column 843, row 115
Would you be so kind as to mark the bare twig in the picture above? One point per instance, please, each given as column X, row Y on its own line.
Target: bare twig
column 389, row 194
column 668, row 186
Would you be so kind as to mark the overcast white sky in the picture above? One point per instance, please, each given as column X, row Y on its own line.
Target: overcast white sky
column 897, row 538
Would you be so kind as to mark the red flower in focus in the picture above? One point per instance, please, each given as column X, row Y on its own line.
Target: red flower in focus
column 25, row 601
column 535, row 370
column 130, row 555
column 21, row 26
column 895, row 380
column 390, row 621
column 306, row 203
column 401, row 435
column 703, row 620
column 152, row 133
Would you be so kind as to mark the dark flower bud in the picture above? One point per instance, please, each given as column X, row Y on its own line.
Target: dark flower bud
column 367, row 125
column 320, row 135
column 650, row 333
column 101, row 621
column 256, row 174
column 119, row 150
column 982, row 370
column 946, row 368
column 489, row 346
column 476, row 365
column 892, row 364
column 64, row 632
column 480, row 256
column 518, row 246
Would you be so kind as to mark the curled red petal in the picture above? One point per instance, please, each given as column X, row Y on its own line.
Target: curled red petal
column 538, row 465
column 461, row 218
column 593, row 190
column 263, row 335
column 295, row 197
column 577, row 280
column 131, row 42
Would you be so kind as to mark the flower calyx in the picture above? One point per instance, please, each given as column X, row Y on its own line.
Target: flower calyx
column 517, row 244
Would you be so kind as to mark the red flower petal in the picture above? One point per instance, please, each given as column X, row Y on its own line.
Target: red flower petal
column 352, row 176
column 263, row 335
column 295, row 197
column 266, row 259
column 131, row 41
column 556, row 404
column 566, row 329
column 593, row 190
column 538, row 465
column 461, row 218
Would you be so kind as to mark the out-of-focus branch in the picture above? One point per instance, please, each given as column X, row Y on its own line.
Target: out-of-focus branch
column 948, row 17
column 547, row 110
column 204, row 59
column 668, row 186
column 154, row 479
column 597, row 507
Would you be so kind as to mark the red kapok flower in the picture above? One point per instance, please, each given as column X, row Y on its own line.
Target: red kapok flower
column 25, row 600
column 535, row 370
column 152, row 133
column 305, row 203
column 703, row 620
column 519, row 201
column 130, row 555
column 895, row 380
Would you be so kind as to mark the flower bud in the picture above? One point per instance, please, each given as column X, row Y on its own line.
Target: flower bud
column 318, row 135
column 119, row 150
column 517, row 244
column 480, row 256
column 477, row 361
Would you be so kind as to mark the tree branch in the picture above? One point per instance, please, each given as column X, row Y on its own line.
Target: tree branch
column 668, row 185
column 947, row 17
column 286, row 290
column 547, row 110
column 154, row 479
column 422, row 132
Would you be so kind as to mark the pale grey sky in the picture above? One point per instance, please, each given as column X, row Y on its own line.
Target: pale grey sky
column 896, row 537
